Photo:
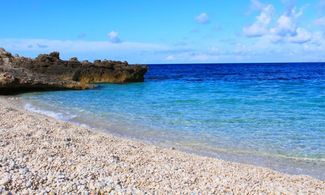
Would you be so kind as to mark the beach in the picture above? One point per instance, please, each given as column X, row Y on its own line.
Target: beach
column 39, row 154
column 138, row 97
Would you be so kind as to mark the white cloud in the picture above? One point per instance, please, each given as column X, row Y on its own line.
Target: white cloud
column 114, row 37
column 193, row 56
column 301, row 36
column 320, row 21
column 77, row 45
column 133, row 52
column 170, row 58
column 318, row 39
column 289, row 3
column 260, row 26
column 286, row 28
column 41, row 46
column 201, row 57
column 286, row 23
column 203, row 18
column 256, row 4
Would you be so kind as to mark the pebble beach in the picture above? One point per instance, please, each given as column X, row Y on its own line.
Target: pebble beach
column 42, row 155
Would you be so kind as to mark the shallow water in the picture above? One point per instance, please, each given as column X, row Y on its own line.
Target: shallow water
column 271, row 112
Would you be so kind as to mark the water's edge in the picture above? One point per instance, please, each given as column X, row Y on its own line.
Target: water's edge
column 294, row 166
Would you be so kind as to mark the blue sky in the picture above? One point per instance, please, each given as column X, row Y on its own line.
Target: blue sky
column 167, row 31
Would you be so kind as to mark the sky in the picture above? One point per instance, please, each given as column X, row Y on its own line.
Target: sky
column 167, row 31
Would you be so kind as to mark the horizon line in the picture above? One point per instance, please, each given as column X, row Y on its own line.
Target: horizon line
column 225, row 63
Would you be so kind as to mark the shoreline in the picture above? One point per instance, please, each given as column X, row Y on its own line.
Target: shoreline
column 41, row 154
column 286, row 164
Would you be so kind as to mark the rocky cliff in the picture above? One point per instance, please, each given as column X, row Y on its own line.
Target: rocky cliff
column 49, row 72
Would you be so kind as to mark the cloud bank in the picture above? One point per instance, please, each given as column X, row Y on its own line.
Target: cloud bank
column 284, row 29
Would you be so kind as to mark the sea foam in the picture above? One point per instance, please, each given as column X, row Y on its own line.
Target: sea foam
column 56, row 115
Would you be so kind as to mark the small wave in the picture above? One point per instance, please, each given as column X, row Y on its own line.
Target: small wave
column 56, row 115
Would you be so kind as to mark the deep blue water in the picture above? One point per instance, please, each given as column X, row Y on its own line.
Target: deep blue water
column 270, row 110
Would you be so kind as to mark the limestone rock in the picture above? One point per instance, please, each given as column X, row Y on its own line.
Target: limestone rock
column 49, row 72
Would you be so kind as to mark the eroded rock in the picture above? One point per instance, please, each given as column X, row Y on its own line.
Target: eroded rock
column 49, row 72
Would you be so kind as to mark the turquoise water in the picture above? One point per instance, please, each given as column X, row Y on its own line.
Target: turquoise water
column 264, row 110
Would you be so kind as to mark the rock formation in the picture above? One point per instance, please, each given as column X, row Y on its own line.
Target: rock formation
column 49, row 72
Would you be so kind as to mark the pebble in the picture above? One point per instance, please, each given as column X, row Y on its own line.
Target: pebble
column 40, row 155
column 5, row 180
column 28, row 184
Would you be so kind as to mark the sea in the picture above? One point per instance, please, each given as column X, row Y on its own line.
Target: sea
column 267, row 114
